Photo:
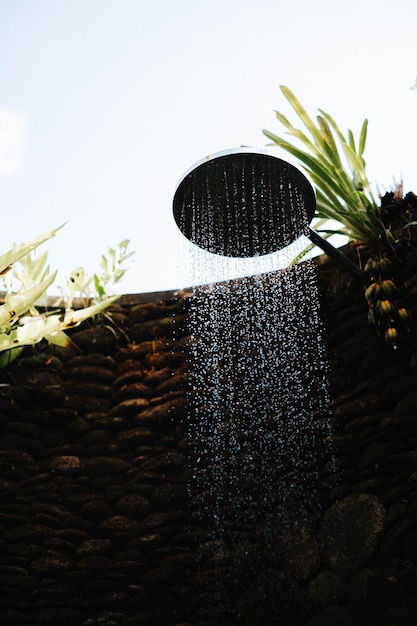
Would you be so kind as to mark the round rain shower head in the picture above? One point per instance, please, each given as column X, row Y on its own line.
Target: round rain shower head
column 244, row 203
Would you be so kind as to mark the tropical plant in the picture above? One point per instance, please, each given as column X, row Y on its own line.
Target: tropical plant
column 111, row 268
column 385, row 229
column 20, row 322
column 336, row 165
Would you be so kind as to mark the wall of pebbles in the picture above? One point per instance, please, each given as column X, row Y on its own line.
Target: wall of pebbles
column 97, row 522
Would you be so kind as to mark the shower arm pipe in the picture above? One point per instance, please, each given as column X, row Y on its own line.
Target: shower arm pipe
column 338, row 256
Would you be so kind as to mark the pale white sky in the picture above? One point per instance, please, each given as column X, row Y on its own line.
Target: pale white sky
column 105, row 103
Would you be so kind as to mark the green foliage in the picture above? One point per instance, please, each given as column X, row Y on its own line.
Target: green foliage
column 111, row 269
column 20, row 322
column 336, row 165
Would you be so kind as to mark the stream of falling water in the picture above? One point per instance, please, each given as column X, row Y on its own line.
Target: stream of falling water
column 258, row 420
column 258, row 407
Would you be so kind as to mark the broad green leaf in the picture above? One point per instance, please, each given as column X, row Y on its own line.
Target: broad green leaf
column 329, row 139
column 337, row 169
column 351, row 139
column 51, row 327
column 362, row 140
column 77, row 278
column 62, row 340
column 73, row 318
column 19, row 303
column 296, row 132
column 302, row 113
column 98, row 286
column 17, row 252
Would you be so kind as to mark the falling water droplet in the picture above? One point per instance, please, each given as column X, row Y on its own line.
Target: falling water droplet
column 258, row 395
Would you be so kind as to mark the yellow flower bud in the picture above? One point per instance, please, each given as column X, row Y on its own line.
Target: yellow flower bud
column 391, row 336
column 388, row 287
column 403, row 314
column 371, row 265
column 373, row 292
column 384, row 307
column 385, row 265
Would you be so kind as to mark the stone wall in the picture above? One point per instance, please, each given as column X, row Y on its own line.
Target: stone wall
column 97, row 522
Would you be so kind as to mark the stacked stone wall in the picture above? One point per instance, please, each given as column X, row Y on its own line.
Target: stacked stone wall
column 96, row 518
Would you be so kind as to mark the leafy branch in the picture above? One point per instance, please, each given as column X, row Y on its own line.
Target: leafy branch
column 20, row 322
column 336, row 165
column 111, row 266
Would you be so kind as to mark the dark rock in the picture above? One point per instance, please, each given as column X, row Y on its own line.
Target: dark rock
column 132, row 562
column 114, row 424
column 109, row 448
column 328, row 589
column 272, row 598
column 153, row 617
column 65, row 616
column 10, row 458
column 396, row 512
column 93, row 340
column 160, row 360
column 155, row 377
column 94, row 564
column 333, row 616
column 410, row 545
column 89, row 388
column 175, row 383
column 95, row 547
column 296, row 550
column 135, row 436
column 151, row 329
column 170, row 461
column 96, row 510
column 28, row 533
column 399, row 388
column 133, row 505
column 129, row 373
column 377, row 451
column 407, row 405
column 119, row 524
column 92, row 373
column 399, row 462
column 147, row 543
column 15, row 441
column 133, row 390
column 350, row 533
column 106, row 618
column 95, row 358
column 87, row 404
column 162, row 414
column 72, row 535
column 70, row 465
column 96, row 436
column 130, row 407
column 360, row 406
column 387, row 591
column 392, row 544
column 77, row 426
column 17, row 617
column 161, row 576
column 106, row 466
column 163, row 519
column 168, row 494
column 51, row 566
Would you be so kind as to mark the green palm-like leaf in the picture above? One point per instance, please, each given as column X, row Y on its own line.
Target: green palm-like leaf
column 51, row 327
column 19, row 303
column 336, row 166
column 19, row 251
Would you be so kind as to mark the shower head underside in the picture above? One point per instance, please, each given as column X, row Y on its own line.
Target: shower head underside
column 246, row 203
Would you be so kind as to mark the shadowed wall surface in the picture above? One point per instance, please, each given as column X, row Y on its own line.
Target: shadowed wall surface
column 97, row 520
